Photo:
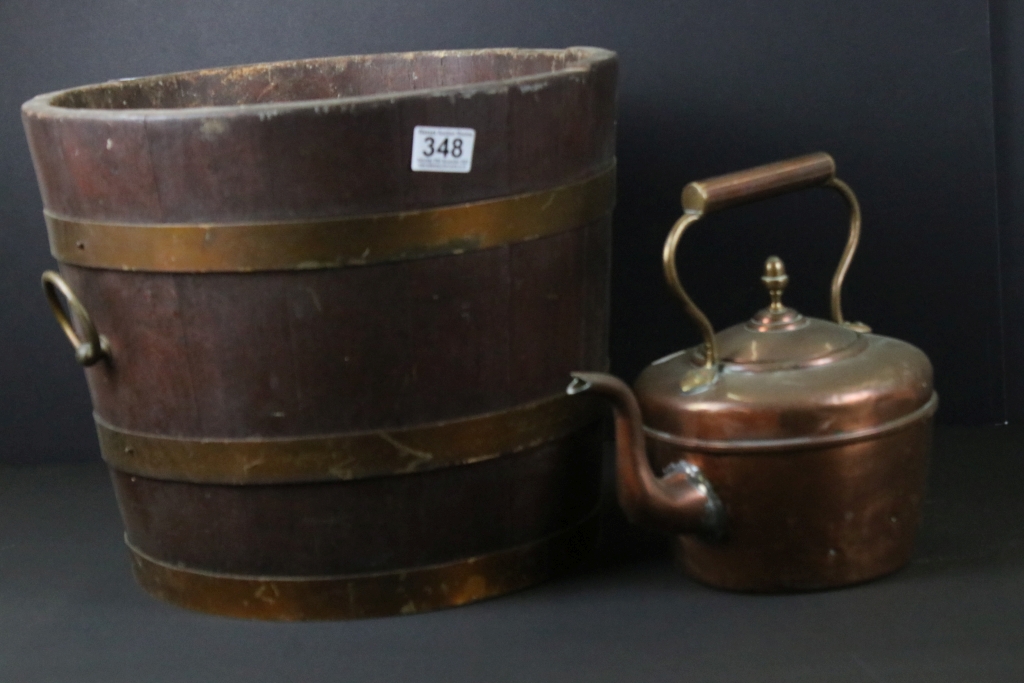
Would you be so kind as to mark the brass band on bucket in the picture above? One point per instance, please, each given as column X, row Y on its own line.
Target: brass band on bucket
column 345, row 456
column 330, row 243
column 405, row 591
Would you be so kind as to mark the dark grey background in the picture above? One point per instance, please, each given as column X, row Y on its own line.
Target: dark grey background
column 1008, row 77
column 900, row 92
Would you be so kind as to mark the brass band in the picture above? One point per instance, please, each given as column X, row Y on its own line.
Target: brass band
column 368, row 595
column 331, row 243
column 345, row 456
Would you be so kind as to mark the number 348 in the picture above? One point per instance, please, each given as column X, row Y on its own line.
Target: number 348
column 445, row 148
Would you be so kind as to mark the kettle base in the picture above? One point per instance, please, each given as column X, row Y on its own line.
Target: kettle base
column 793, row 581
column 812, row 519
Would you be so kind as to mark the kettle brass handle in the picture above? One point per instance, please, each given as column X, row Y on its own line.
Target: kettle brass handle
column 706, row 196
column 95, row 347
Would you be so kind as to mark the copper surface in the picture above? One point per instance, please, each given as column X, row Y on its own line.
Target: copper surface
column 808, row 486
column 341, row 242
column 345, row 456
column 761, row 446
column 807, row 441
column 406, row 591
column 873, row 382
column 678, row 502
column 809, row 519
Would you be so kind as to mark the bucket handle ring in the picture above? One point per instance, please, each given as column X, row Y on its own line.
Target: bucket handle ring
column 95, row 347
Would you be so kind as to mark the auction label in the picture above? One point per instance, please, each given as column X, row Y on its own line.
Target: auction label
column 442, row 150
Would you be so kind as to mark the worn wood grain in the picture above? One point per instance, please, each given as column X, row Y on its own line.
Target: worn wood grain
column 297, row 353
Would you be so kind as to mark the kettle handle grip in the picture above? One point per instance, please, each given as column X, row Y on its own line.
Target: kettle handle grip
column 706, row 196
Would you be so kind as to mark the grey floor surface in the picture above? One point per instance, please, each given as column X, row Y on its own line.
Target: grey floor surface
column 69, row 610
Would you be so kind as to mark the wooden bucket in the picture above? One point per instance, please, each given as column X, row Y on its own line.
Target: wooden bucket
column 329, row 385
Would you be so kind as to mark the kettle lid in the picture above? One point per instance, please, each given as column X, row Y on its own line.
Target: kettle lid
column 785, row 380
column 778, row 337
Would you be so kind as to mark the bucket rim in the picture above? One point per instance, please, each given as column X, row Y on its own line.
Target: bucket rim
column 42, row 106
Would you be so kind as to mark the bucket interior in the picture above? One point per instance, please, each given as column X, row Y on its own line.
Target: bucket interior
column 319, row 79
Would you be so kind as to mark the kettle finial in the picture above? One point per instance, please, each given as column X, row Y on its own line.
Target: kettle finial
column 775, row 279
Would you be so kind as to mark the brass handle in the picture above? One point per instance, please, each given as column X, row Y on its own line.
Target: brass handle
column 706, row 196
column 762, row 182
column 95, row 347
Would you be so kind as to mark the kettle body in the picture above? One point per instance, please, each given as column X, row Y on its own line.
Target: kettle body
column 784, row 453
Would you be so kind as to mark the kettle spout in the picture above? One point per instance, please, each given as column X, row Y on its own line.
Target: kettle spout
column 680, row 501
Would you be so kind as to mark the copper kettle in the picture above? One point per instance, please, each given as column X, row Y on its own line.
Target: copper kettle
column 786, row 452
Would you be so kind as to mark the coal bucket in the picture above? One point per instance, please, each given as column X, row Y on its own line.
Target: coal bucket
column 326, row 309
